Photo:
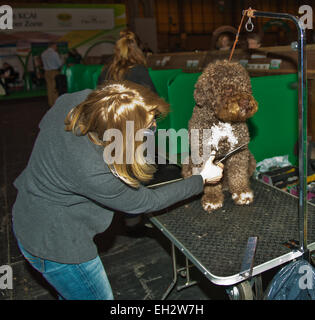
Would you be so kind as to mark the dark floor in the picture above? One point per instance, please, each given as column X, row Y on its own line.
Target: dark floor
column 138, row 265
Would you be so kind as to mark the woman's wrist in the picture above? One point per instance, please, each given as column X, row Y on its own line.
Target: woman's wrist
column 211, row 173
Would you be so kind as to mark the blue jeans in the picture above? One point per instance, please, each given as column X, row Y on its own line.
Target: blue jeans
column 84, row 281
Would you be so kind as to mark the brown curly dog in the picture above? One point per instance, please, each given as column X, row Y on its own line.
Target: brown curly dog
column 224, row 102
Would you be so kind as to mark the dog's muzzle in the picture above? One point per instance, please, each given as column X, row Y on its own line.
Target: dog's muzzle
column 237, row 108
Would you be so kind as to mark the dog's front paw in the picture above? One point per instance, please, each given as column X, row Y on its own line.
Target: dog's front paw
column 210, row 206
column 243, row 197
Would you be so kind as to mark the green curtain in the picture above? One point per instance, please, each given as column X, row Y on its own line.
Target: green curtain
column 80, row 76
column 273, row 129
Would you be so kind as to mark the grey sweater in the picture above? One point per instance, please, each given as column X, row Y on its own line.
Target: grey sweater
column 138, row 74
column 67, row 194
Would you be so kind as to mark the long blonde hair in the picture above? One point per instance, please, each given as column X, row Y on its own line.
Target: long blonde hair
column 110, row 106
column 127, row 54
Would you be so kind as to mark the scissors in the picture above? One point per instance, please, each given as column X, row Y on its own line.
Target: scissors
column 219, row 161
column 231, row 152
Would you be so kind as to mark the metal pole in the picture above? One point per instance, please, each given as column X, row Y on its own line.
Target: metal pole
column 302, row 211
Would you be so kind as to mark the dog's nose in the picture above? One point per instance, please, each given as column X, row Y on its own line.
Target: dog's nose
column 247, row 105
column 243, row 103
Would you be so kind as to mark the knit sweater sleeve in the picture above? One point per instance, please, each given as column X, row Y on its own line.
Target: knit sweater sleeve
column 112, row 193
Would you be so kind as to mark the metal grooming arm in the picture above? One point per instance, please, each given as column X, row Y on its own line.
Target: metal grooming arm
column 302, row 211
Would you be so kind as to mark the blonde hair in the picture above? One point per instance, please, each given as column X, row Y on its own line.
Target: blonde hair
column 110, row 106
column 127, row 54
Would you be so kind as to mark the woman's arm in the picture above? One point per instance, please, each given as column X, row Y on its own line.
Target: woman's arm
column 111, row 192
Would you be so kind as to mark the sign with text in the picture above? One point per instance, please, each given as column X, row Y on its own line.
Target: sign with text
column 62, row 19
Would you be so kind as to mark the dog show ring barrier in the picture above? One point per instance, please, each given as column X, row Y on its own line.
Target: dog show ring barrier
column 234, row 245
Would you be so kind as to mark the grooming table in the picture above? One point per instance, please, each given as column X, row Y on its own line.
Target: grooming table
column 216, row 242
column 236, row 243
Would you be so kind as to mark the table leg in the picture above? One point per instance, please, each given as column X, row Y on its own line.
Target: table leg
column 172, row 285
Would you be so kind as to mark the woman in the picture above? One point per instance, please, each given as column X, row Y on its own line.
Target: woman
column 224, row 42
column 67, row 194
column 129, row 62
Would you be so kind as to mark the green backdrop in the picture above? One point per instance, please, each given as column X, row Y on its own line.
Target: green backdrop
column 80, row 76
column 161, row 80
column 273, row 129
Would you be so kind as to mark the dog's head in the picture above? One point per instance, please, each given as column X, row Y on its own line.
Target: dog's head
column 225, row 89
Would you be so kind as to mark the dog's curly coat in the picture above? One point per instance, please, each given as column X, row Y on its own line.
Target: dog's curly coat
column 224, row 102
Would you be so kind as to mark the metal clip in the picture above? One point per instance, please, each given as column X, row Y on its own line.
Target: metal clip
column 249, row 26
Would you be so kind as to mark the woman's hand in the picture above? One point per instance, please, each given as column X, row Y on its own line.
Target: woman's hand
column 212, row 173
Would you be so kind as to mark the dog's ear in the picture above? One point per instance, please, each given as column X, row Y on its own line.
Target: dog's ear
column 200, row 94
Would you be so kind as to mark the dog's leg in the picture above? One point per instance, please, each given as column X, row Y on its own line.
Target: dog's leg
column 213, row 197
column 237, row 172
column 187, row 169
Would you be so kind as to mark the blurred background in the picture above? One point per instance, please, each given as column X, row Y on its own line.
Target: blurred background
column 162, row 26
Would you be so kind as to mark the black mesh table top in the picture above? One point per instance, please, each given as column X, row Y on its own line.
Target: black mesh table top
column 218, row 240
